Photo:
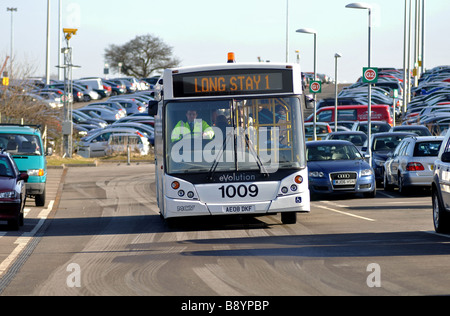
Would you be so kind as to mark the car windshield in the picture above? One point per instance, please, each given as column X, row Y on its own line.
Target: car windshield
column 6, row 169
column 320, row 129
column 21, row 144
column 332, row 152
column 374, row 127
column 386, row 143
column 234, row 135
column 356, row 139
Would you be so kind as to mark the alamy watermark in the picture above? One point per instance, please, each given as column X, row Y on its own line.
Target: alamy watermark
column 229, row 145
column 374, row 277
column 74, row 278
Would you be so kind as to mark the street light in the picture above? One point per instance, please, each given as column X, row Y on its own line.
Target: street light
column 12, row 39
column 336, row 56
column 312, row 31
column 368, row 7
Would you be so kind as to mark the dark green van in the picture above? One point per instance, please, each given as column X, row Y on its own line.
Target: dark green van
column 24, row 144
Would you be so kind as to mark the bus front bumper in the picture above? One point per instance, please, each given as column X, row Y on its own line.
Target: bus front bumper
column 289, row 203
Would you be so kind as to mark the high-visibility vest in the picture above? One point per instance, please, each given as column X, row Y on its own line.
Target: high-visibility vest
column 183, row 129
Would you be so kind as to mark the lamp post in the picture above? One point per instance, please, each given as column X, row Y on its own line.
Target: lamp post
column 47, row 54
column 311, row 31
column 336, row 56
column 368, row 7
column 12, row 39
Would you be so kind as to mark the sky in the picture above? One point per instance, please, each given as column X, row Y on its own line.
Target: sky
column 204, row 31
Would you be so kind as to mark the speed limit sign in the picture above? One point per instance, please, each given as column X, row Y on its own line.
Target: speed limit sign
column 370, row 75
column 315, row 87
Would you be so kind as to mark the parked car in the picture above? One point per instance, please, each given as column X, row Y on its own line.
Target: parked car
column 336, row 167
column 95, row 84
column 131, row 106
column 79, row 117
column 96, row 144
column 119, row 143
column 380, row 112
column 12, row 191
column 382, row 145
column 412, row 163
column 116, row 88
column 420, row 130
column 111, row 105
column 322, row 130
column 108, row 115
column 439, row 188
column 375, row 127
column 355, row 137
column 145, row 129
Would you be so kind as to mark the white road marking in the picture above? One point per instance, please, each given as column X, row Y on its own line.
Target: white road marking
column 24, row 239
column 345, row 213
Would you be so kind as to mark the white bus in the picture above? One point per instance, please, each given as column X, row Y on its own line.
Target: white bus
column 229, row 139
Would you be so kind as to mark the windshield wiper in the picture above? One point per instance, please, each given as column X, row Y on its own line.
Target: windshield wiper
column 216, row 161
column 255, row 155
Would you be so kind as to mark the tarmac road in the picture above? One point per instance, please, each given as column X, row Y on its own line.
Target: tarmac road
column 103, row 236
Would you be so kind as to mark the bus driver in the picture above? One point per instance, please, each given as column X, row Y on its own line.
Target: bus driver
column 192, row 126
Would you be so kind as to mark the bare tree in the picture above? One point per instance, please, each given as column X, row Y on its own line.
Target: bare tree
column 141, row 56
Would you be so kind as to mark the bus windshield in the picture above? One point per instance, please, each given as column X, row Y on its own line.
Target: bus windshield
column 245, row 134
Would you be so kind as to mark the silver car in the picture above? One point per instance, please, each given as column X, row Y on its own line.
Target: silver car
column 412, row 162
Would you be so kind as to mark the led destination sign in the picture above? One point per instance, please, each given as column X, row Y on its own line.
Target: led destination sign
column 233, row 82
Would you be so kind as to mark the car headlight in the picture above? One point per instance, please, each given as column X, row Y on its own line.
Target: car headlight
column 8, row 195
column 366, row 172
column 316, row 174
column 35, row 172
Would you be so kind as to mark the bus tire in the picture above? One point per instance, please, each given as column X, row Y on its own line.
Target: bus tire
column 289, row 217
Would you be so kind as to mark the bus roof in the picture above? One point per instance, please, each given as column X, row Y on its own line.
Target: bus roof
column 232, row 79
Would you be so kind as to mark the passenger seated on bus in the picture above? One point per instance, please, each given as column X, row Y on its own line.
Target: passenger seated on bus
column 222, row 123
column 193, row 126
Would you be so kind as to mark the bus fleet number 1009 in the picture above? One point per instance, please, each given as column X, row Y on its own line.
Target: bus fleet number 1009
column 230, row 191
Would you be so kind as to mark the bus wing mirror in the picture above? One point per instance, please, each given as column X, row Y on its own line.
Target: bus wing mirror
column 152, row 107
column 309, row 101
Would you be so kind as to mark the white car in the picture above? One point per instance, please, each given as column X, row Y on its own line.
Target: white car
column 96, row 144
column 119, row 143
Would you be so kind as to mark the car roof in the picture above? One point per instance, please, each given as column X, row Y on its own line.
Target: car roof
column 19, row 129
column 328, row 142
column 348, row 133
column 384, row 134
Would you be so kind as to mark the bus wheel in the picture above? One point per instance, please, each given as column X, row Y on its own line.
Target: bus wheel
column 289, row 217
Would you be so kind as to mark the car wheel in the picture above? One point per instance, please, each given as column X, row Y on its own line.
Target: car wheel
column 39, row 199
column 386, row 185
column 401, row 185
column 14, row 224
column 370, row 194
column 289, row 217
column 441, row 218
